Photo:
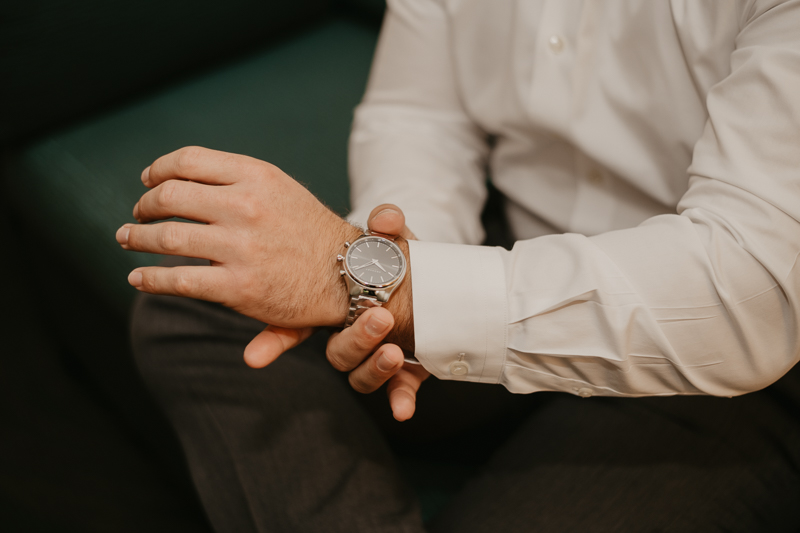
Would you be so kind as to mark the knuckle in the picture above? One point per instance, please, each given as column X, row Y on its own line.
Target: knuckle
column 248, row 284
column 166, row 194
column 358, row 384
column 402, row 389
column 183, row 284
column 336, row 360
column 266, row 170
column 375, row 377
column 249, row 208
column 148, row 281
column 362, row 341
column 186, row 159
column 169, row 239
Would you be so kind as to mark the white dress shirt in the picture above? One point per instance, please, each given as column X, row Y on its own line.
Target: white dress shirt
column 650, row 153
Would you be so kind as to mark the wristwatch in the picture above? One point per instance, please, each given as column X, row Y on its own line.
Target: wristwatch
column 374, row 266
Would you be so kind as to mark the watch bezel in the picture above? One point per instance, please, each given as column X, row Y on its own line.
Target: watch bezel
column 375, row 286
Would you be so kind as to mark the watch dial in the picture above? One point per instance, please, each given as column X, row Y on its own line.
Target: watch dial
column 375, row 261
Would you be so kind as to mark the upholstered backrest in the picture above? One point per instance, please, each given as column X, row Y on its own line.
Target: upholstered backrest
column 64, row 59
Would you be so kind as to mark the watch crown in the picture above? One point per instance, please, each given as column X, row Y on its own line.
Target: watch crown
column 341, row 272
column 340, row 258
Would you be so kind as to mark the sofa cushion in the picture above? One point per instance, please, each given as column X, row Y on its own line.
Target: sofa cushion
column 290, row 104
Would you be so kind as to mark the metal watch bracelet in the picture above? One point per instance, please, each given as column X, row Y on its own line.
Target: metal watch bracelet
column 359, row 304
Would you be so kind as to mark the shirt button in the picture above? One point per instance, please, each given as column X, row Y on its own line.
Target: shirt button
column 584, row 392
column 459, row 369
column 555, row 43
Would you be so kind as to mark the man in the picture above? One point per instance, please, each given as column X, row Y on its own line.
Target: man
column 631, row 276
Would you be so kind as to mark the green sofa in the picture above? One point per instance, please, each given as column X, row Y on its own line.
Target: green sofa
column 284, row 94
column 94, row 91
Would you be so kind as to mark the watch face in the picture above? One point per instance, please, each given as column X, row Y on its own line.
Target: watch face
column 375, row 261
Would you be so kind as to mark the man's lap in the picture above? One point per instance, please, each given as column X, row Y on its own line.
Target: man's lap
column 677, row 463
column 652, row 464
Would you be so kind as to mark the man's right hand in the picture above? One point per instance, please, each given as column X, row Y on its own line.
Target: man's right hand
column 359, row 350
column 350, row 349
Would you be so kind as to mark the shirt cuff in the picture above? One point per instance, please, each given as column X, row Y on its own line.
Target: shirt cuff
column 460, row 310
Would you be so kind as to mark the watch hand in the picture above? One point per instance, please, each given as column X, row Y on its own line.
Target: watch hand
column 379, row 266
column 365, row 265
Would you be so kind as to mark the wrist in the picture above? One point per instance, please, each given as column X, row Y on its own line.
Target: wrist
column 401, row 305
column 400, row 302
column 339, row 297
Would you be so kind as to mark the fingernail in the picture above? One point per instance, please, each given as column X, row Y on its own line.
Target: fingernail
column 384, row 363
column 122, row 234
column 136, row 211
column 384, row 211
column 375, row 326
column 146, row 175
column 135, row 278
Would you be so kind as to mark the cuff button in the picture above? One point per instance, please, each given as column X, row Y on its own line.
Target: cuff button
column 459, row 369
column 585, row 392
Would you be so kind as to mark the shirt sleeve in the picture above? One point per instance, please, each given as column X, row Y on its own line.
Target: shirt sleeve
column 704, row 301
column 412, row 144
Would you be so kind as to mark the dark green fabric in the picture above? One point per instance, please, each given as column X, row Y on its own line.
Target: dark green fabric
column 290, row 105
column 373, row 8
column 61, row 59
column 69, row 460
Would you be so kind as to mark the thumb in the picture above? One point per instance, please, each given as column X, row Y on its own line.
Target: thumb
column 402, row 390
column 389, row 220
column 271, row 343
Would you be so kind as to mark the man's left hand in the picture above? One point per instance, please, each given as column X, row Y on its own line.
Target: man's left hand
column 271, row 243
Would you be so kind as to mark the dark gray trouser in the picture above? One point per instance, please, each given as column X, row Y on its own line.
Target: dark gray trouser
column 291, row 448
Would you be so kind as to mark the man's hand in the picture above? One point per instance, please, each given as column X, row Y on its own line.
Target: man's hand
column 271, row 243
column 272, row 247
column 369, row 348
column 351, row 345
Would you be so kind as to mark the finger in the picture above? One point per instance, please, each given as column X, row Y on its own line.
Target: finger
column 176, row 238
column 374, row 372
column 209, row 283
column 348, row 348
column 402, row 391
column 389, row 220
column 194, row 163
column 179, row 198
column 271, row 343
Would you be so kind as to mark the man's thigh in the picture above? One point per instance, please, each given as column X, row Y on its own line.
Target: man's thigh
column 284, row 448
column 647, row 464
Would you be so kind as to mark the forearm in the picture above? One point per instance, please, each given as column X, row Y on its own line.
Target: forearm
column 675, row 306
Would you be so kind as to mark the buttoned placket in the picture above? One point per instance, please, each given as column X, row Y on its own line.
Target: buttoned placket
column 552, row 99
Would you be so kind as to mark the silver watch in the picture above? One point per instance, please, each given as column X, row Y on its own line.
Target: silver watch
column 374, row 267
